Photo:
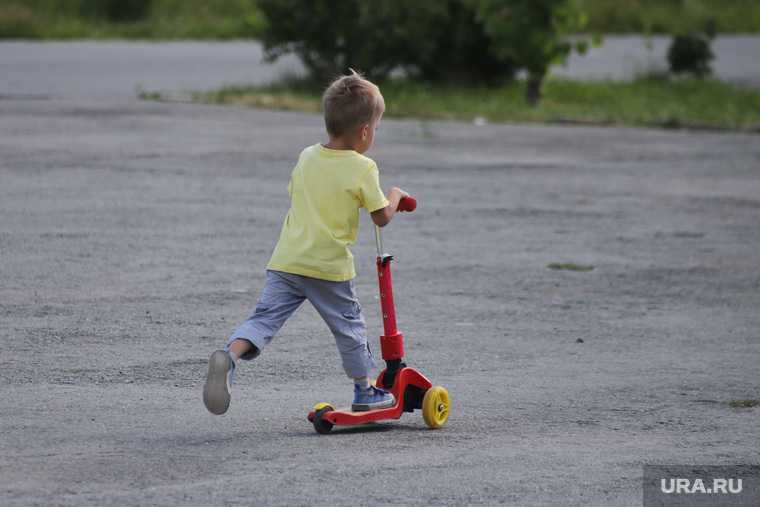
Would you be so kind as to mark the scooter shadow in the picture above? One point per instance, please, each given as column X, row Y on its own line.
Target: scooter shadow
column 358, row 429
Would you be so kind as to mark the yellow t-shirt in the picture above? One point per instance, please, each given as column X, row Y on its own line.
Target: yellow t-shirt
column 326, row 189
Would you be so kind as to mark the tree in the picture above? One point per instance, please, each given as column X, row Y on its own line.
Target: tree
column 436, row 40
column 116, row 11
column 532, row 34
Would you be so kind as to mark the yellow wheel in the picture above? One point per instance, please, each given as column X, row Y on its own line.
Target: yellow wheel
column 321, row 405
column 435, row 407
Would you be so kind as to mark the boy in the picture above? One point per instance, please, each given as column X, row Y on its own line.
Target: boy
column 311, row 260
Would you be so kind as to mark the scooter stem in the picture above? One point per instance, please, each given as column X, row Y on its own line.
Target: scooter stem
column 378, row 241
column 392, row 342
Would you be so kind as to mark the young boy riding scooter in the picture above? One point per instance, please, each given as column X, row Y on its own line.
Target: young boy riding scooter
column 328, row 186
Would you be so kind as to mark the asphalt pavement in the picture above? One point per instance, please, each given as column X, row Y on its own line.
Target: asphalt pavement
column 134, row 236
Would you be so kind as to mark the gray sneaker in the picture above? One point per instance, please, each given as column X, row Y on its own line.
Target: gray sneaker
column 216, row 391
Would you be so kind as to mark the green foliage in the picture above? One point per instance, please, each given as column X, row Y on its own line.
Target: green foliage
column 115, row 11
column 435, row 40
column 532, row 34
column 462, row 52
column 17, row 21
column 475, row 41
column 240, row 18
column 690, row 103
column 167, row 19
column 744, row 403
column 670, row 16
column 569, row 266
column 690, row 54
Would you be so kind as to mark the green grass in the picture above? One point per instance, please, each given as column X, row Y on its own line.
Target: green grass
column 670, row 16
column 165, row 19
column 659, row 102
column 744, row 403
column 221, row 19
column 569, row 266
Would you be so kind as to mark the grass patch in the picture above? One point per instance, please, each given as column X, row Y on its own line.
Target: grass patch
column 662, row 102
column 569, row 266
column 294, row 97
column 743, row 403
column 658, row 16
column 148, row 95
column 162, row 19
column 223, row 19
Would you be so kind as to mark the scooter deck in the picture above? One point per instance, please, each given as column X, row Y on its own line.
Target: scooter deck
column 346, row 417
column 404, row 378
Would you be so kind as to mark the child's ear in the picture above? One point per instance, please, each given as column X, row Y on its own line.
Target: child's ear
column 365, row 131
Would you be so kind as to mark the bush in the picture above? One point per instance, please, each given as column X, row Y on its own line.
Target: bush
column 120, row 11
column 464, row 41
column 116, row 11
column 690, row 54
column 441, row 41
column 532, row 33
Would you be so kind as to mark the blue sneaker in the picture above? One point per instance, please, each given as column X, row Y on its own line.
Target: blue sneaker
column 217, row 390
column 371, row 398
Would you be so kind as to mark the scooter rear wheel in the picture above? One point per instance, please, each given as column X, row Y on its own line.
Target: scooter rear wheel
column 435, row 407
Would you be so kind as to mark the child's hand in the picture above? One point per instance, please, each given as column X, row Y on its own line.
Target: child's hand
column 401, row 192
column 383, row 216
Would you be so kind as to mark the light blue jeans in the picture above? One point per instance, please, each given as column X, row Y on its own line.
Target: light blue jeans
column 335, row 302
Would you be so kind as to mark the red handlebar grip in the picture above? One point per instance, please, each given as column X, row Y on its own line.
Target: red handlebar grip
column 408, row 203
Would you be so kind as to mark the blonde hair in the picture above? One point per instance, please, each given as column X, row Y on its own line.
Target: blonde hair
column 351, row 101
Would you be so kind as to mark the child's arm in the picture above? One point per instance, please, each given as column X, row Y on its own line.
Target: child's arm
column 383, row 216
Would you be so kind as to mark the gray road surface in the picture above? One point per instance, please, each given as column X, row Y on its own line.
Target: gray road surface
column 133, row 238
column 98, row 69
column 94, row 69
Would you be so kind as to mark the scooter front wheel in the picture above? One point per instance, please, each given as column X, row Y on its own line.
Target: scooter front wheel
column 435, row 407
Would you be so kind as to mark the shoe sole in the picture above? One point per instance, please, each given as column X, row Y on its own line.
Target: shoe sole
column 216, row 397
column 366, row 407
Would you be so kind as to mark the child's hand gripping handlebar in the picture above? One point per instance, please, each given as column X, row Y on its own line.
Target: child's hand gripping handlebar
column 407, row 203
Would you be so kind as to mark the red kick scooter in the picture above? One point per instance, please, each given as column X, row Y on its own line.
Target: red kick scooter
column 411, row 389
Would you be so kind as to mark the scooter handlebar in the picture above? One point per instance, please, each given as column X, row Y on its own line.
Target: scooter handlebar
column 407, row 203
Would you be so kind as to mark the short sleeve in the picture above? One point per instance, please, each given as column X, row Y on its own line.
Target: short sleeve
column 370, row 194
